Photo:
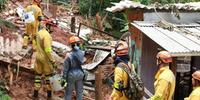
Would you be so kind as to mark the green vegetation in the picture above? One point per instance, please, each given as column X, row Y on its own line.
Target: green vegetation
column 115, row 23
column 7, row 24
column 2, row 4
column 112, row 24
column 3, row 91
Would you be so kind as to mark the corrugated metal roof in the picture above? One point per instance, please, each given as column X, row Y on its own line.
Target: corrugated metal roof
column 178, row 43
column 125, row 4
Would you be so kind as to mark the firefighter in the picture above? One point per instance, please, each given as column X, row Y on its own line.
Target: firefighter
column 165, row 79
column 73, row 73
column 32, row 28
column 120, row 76
column 44, row 64
column 195, row 95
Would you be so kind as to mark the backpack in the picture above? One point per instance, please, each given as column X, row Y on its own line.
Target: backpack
column 135, row 89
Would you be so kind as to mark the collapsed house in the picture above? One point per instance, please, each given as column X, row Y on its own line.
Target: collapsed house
column 19, row 64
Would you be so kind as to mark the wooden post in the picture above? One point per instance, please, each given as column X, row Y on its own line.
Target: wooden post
column 73, row 24
column 98, row 84
column 18, row 66
column 10, row 73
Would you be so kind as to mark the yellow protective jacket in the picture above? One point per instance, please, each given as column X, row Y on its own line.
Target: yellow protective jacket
column 43, row 53
column 119, row 76
column 164, row 84
column 195, row 95
column 32, row 28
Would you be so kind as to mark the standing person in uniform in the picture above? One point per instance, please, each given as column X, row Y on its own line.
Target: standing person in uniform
column 45, row 64
column 120, row 76
column 73, row 73
column 165, row 79
column 195, row 95
column 32, row 28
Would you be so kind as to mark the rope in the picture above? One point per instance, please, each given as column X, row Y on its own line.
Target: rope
column 154, row 7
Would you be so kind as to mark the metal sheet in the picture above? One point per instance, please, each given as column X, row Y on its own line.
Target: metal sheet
column 179, row 43
column 100, row 55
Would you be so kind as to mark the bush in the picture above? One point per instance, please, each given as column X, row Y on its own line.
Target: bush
column 2, row 4
column 7, row 24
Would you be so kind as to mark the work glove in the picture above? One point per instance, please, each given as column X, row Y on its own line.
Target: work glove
column 63, row 82
column 54, row 64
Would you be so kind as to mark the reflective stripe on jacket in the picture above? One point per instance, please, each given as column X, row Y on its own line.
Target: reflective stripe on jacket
column 46, row 46
column 119, row 76
column 43, row 57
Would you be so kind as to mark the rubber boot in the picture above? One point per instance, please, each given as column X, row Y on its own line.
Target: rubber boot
column 49, row 95
column 35, row 95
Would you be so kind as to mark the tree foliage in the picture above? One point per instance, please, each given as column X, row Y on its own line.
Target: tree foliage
column 2, row 4
column 91, row 7
column 115, row 23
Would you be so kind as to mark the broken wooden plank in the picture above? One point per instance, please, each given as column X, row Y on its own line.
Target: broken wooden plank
column 7, row 46
column 89, row 88
column 96, row 30
column 107, row 48
column 91, row 76
column 1, row 45
column 98, row 84
column 88, row 98
column 61, row 46
column 18, row 66
column 10, row 73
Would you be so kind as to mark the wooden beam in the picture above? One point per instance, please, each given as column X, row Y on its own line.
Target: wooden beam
column 107, row 48
column 98, row 84
column 10, row 74
column 96, row 30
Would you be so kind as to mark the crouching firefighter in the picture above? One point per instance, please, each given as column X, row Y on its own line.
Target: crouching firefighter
column 73, row 73
column 32, row 28
column 44, row 64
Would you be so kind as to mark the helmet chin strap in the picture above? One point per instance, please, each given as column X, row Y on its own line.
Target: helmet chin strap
column 160, row 63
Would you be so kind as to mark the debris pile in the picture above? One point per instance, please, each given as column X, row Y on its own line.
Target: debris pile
column 98, row 61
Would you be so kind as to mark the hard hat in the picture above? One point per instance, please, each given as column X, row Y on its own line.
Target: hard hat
column 121, row 48
column 165, row 56
column 196, row 75
column 74, row 39
column 37, row 1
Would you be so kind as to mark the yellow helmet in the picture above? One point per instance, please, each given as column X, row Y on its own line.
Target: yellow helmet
column 164, row 56
column 121, row 48
column 196, row 75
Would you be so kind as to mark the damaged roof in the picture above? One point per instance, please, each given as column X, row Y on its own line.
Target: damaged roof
column 126, row 4
column 184, row 40
column 99, row 56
